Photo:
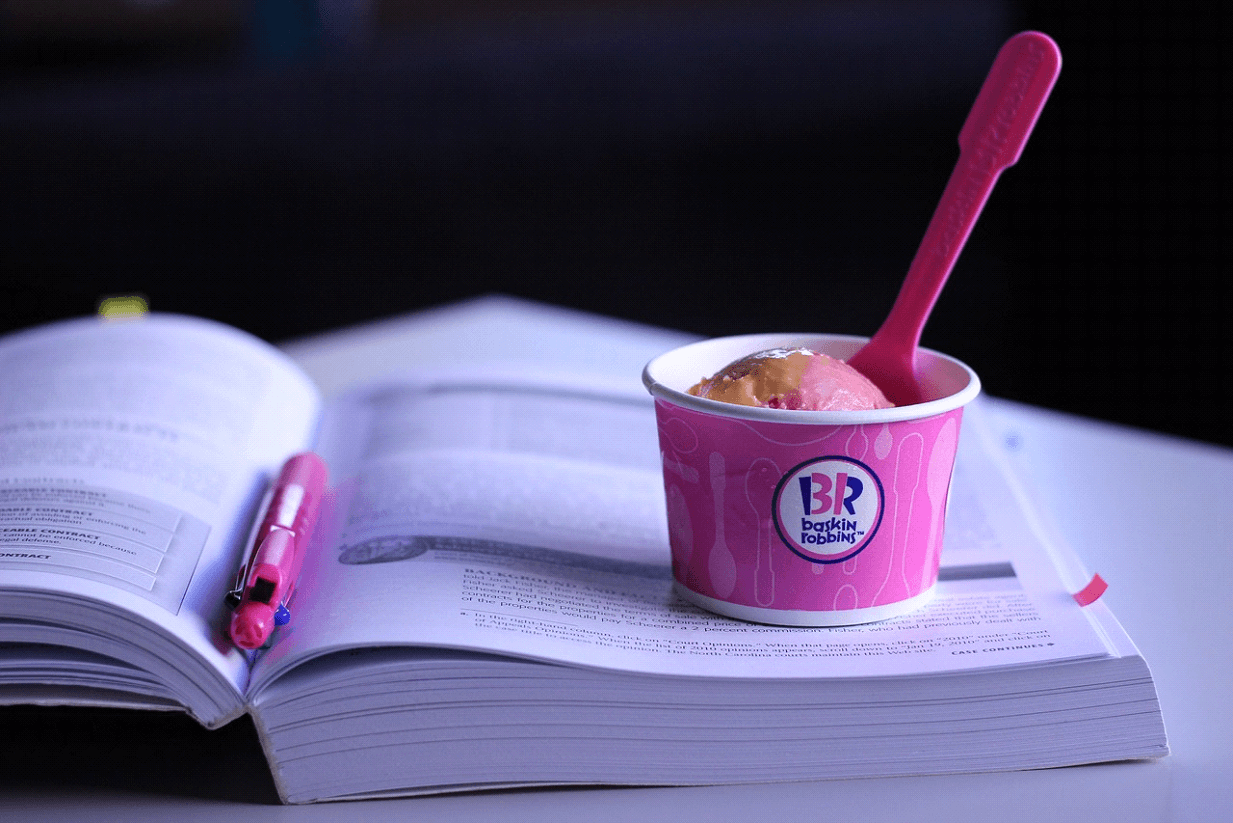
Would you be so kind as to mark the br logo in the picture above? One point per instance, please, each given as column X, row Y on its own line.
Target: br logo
column 828, row 509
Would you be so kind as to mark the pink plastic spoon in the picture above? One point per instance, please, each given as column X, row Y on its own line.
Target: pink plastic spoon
column 991, row 140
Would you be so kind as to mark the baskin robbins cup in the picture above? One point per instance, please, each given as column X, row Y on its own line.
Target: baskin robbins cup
column 805, row 518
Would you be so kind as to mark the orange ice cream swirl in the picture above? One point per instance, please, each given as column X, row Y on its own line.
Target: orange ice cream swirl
column 792, row 379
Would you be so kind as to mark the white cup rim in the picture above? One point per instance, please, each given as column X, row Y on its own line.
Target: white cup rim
column 669, row 376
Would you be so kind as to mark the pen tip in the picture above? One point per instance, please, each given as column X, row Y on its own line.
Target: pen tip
column 250, row 627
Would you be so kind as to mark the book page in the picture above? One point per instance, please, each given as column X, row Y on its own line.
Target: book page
column 524, row 517
column 131, row 457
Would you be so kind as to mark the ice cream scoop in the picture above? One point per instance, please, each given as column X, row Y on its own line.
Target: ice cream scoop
column 991, row 140
column 792, row 378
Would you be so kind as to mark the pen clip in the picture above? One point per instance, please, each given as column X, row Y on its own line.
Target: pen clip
column 263, row 603
column 252, row 543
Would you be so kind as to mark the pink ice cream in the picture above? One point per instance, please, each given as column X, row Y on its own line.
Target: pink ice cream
column 795, row 378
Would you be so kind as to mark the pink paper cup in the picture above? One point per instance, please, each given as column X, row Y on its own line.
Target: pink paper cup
column 805, row 518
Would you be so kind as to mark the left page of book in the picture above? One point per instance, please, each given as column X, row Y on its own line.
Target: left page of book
column 133, row 455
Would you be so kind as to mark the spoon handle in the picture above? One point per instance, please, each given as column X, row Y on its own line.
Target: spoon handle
column 992, row 138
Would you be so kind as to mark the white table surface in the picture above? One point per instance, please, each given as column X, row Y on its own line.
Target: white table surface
column 1150, row 513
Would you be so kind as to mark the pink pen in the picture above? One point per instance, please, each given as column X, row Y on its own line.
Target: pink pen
column 268, row 580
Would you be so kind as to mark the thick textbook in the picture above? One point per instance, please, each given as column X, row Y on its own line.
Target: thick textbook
column 487, row 600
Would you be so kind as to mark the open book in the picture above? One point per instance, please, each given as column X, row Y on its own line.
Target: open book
column 487, row 599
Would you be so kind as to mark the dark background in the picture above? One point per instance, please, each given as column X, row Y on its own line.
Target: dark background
column 722, row 167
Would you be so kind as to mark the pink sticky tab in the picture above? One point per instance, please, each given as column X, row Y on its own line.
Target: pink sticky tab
column 1090, row 593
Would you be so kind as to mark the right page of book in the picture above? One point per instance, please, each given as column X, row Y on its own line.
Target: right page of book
column 497, row 512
